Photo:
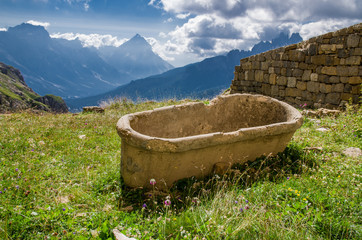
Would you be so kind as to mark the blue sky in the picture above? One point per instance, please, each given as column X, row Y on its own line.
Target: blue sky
column 182, row 31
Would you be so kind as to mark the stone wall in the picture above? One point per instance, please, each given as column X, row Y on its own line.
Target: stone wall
column 324, row 71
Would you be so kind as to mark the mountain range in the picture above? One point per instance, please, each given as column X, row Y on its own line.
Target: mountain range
column 204, row 79
column 67, row 69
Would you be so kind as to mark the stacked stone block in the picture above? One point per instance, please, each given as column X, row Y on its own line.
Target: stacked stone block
column 324, row 71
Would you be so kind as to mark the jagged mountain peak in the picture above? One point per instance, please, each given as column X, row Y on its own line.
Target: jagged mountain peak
column 296, row 37
column 137, row 43
column 131, row 57
column 281, row 40
column 28, row 29
column 137, row 36
column 284, row 39
column 26, row 26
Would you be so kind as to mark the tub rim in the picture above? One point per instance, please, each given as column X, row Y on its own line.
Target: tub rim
column 181, row 144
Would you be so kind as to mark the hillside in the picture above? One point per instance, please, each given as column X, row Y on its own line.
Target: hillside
column 204, row 79
column 16, row 96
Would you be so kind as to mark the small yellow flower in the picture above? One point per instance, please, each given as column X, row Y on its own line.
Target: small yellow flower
column 298, row 194
column 304, row 199
column 174, row 219
column 296, row 191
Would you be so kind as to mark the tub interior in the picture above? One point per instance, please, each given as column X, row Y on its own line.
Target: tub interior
column 225, row 115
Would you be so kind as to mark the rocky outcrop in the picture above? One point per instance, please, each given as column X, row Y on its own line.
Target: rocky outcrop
column 16, row 96
column 55, row 103
column 93, row 109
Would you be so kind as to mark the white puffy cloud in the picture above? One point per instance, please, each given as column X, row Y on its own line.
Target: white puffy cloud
column 95, row 40
column 207, row 35
column 86, row 6
column 229, row 7
column 3, row 29
column 162, row 35
column 281, row 8
column 169, row 20
column 309, row 30
column 37, row 23
column 216, row 26
column 312, row 29
column 83, row 3
column 159, row 49
column 260, row 14
column 183, row 15
column 209, row 26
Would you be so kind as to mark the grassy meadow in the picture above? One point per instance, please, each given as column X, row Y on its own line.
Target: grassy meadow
column 60, row 179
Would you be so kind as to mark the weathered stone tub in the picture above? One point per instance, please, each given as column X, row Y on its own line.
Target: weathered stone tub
column 176, row 142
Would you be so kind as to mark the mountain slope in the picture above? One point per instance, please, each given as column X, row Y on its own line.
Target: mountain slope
column 15, row 95
column 135, row 58
column 204, row 79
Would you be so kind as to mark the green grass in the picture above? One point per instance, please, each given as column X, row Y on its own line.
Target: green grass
column 26, row 92
column 56, row 98
column 8, row 93
column 56, row 183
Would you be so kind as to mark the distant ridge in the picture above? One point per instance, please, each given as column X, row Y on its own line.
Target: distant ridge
column 204, row 79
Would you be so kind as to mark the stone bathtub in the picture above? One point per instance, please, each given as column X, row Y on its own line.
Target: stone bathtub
column 176, row 142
